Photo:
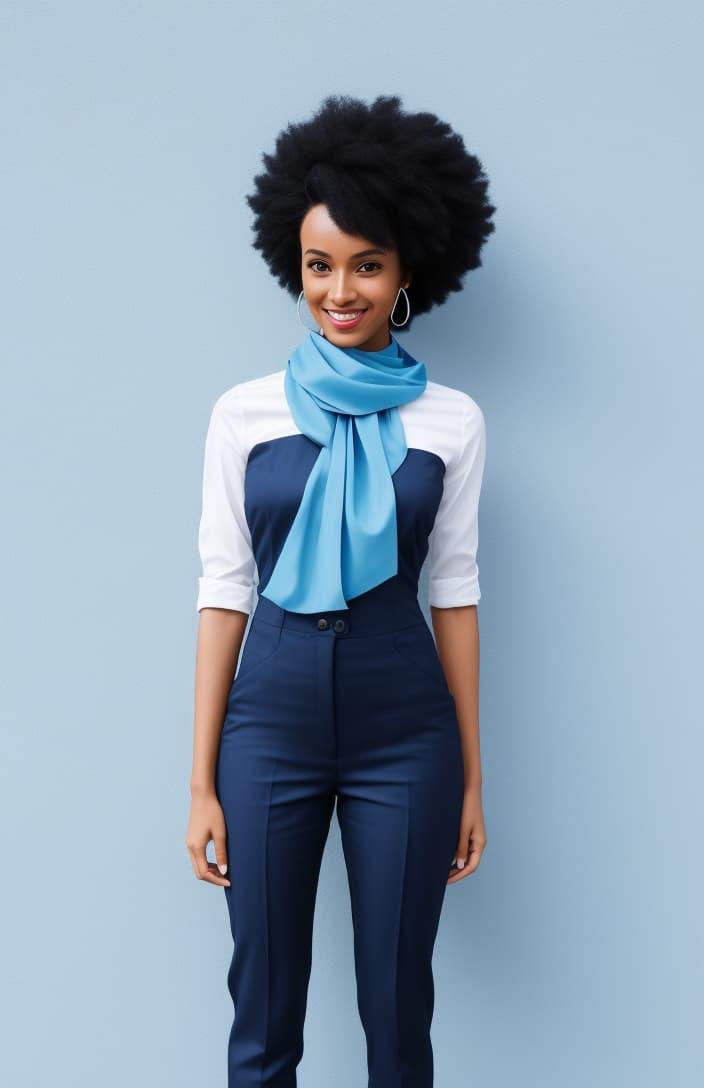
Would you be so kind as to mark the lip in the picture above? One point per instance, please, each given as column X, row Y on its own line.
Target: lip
column 344, row 324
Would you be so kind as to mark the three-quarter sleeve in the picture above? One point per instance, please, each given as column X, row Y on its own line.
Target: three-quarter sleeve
column 224, row 541
column 454, row 539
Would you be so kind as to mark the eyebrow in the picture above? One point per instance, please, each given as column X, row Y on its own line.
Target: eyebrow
column 354, row 257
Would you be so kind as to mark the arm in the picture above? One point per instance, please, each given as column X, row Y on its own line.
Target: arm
column 453, row 596
column 220, row 633
column 224, row 602
column 457, row 639
column 219, row 640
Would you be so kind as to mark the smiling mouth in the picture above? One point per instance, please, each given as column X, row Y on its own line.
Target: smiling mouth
column 345, row 315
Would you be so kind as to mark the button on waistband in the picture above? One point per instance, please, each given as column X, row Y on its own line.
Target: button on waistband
column 380, row 611
column 338, row 625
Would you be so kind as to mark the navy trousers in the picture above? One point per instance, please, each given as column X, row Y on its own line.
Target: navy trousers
column 350, row 706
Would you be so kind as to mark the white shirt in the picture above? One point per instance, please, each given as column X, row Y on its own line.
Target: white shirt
column 442, row 420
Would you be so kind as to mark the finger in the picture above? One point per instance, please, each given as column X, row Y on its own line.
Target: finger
column 201, row 860
column 213, row 876
column 220, row 853
column 458, row 874
column 191, row 855
column 475, row 853
column 474, row 857
column 462, row 851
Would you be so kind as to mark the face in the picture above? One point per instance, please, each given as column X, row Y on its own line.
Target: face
column 343, row 274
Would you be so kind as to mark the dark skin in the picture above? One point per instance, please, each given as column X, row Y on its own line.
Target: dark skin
column 338, row 273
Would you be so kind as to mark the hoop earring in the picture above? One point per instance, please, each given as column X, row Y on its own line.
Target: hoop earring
column 400, row 324
column 298, row 310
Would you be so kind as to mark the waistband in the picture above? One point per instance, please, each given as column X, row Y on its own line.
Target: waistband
column 379, row 611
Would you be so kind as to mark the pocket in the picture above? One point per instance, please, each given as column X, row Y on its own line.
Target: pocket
column 416, row 646
column 262, row 642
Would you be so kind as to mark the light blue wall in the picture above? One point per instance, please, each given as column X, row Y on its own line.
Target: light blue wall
column 131, row 298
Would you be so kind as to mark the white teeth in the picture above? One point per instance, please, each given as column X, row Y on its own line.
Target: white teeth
column 345, row 317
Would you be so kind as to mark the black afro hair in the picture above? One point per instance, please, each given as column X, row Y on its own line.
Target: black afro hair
column 402, row 180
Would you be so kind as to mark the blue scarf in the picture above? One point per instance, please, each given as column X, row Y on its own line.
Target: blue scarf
column 343, row 539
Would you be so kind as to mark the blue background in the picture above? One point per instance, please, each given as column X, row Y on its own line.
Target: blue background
column 131, row 299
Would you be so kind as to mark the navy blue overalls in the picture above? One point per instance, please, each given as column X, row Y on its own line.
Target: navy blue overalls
column 349, row 705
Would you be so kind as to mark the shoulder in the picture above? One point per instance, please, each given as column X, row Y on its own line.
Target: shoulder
column 461, row 406
column 235, row 400
column 255, row 410
column 455, row 412
column 234, row 404
column 442, row 420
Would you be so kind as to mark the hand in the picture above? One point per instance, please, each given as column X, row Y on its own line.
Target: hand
column 472, row 837
column 206, row 822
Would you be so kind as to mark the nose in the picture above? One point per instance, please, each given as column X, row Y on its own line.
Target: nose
column 343, row 293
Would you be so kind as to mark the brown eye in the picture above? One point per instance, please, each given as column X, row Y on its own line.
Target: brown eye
column 311, row 263
column 374, row 264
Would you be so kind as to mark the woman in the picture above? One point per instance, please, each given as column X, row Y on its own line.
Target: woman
column 327, row 484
